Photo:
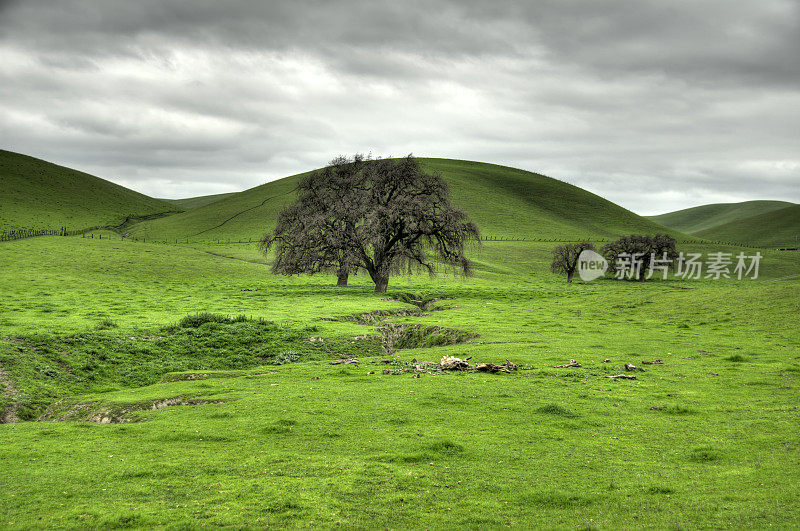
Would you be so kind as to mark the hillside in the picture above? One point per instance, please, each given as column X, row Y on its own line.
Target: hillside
column 36, row 194
column 504, row 202
column 779, row 228
column 191, row 203
column 696, row 219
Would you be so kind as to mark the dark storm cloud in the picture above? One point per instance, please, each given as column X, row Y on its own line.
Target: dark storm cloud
column 655, row 105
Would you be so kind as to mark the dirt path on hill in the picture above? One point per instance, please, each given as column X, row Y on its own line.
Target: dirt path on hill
column 262, row 203
column 9, row 414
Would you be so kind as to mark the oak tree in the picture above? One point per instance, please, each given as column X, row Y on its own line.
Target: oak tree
column 382, row 216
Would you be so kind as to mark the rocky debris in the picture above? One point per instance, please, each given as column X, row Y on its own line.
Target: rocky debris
column 491, row 367
column 450, row 363
column 315, row 339
column 572, row 363
column 387, row 371
column 630, row 367
column 249, row 289
column 658, row 408
column 606, row 360
column 345, row 361
column 622, row 376
column 416, row 376
column 315, row 377
column 653, row 362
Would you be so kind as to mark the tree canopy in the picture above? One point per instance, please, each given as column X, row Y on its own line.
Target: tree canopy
column 382, row 216
column 635, row 256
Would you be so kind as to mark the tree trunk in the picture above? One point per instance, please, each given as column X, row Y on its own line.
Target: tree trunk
column 381, row 284
column 342, row 278
column 570, row 275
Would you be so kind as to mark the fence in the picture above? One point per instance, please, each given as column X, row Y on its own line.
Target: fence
column 19, row 234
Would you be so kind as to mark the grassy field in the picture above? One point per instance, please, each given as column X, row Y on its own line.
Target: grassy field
column 779, row 228
column 542, row 207
column 705, row 217
column 245, row 423
column 39, row 195
column 190, row 203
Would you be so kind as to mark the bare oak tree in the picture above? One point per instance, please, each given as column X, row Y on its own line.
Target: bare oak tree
column 565, row 258
column 383, row 216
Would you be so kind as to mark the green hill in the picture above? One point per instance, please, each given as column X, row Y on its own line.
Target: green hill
column 696, row 219
column 779, row 228
column 504, row 202
column 191, row 203
column 35, row 194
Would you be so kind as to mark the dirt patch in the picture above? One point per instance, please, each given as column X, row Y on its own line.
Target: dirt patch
column 375, row 317
column 398, row 336
column 9, row 413
column 120, row 414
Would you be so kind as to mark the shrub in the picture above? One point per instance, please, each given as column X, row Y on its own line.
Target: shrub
column 286, row 356
column 194, row 321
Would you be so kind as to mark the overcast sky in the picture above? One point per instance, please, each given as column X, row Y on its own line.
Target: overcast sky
column 655, row 105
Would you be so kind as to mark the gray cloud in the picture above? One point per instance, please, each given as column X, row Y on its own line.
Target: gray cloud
column 654, row 105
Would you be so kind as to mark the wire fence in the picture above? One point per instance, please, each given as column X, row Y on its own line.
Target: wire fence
column 19, row 234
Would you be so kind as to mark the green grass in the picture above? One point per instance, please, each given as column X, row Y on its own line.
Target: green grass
column 504, row 202
column 190, row 203
column 39, row 195
column 184, row 386
column 779, row 228
column 705, row 217
column 709, row 439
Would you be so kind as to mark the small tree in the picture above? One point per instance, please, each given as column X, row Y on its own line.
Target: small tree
column 637, row 252
column 565, row 258
column 384, row 216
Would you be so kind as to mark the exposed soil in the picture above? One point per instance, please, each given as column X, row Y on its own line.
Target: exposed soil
column 375, row 316
column 9, row 414
column 94, row 412
column 399, row 336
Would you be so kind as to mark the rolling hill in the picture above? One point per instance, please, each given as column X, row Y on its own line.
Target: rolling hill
column 504, row 202
column 36, row 194
column 190, row 203
column 701, row 218
column 778, row 228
